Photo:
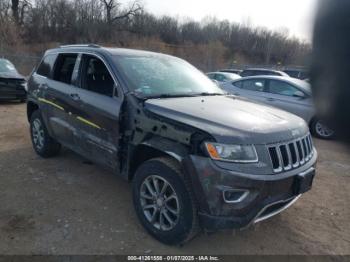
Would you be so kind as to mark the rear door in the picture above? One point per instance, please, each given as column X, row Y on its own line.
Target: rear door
column 58, row 96
column 98, row 117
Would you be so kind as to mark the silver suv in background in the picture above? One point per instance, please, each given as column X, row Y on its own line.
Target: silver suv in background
column 223, row 76
column 290, row 94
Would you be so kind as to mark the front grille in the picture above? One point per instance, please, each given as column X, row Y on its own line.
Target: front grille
column 289, row 155
column 12, row 82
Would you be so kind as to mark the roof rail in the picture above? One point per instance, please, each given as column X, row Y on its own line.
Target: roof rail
column 81, row 45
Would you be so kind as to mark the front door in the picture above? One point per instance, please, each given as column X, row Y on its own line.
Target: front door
column 98, row 117
column 283, row 95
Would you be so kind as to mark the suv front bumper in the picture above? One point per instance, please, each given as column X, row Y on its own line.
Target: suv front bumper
column 267, row 195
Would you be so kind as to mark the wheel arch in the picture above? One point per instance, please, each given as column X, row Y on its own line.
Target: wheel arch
column 31, row 108
column 153, row 148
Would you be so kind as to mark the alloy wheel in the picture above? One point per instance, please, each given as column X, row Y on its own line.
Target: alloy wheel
column 38, row 134
column 159, row 203
column 322, row 130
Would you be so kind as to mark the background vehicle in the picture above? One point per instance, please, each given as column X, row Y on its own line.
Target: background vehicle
column 222, row 77
column 234, row 71
column 297, row 73
column 12, row 84
column 290, row 94
column 261, row 71
column 189, row 149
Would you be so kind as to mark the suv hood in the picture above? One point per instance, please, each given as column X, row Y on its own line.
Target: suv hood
column 11, row 75
column 231, row 120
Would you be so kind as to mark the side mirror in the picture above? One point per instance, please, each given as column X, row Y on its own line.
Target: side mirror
column 299, row 94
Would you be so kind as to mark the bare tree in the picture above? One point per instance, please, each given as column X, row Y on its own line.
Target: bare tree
column 113, row 12
column 18, row 8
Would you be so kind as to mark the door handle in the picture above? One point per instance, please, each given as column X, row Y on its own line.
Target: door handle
column 270, row 99
column 75, row 97
column 236, row 94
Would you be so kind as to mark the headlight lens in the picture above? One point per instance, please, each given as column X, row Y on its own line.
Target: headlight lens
column 232, row 153
column 25, row 86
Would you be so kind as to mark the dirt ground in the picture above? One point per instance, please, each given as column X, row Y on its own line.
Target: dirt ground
column 65, row 205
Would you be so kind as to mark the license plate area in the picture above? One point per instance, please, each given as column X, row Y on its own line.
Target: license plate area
column 303, row 182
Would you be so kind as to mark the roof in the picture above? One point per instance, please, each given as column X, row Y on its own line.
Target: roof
column 93, row 48
column 261, row 69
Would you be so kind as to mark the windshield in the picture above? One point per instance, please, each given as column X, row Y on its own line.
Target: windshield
column 6, row 66
column 157, row 76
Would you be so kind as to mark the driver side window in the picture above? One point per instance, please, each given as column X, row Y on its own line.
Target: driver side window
column 282, row 88
column 96, row 77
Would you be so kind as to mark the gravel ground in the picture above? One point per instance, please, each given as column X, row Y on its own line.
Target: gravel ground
column 64, row 205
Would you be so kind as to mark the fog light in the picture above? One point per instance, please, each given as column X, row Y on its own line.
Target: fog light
column 235, row 195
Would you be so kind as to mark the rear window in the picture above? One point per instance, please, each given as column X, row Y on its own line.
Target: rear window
column 64, row 68
column 46, row 65
column 254, row 85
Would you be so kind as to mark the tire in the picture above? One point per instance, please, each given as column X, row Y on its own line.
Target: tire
column 320, row 130
column 185, row 223
column 44, row 145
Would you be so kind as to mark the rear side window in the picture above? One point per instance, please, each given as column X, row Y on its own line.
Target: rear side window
column 46, row 66
column 253, row 85
column 64, row 67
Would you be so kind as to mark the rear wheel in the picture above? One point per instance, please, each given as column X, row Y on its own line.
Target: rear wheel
column 43, row 144
column 320, row 130
column 164, row 201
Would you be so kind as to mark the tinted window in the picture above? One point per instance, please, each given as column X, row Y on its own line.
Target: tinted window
column 211, row 76
column 247, row 73
column 253, row 85
column 64, row 67
column 292, row 73
column 220, row 78
column 237, row 84
column 46, row 66
column 282, row 88
column 96, row 77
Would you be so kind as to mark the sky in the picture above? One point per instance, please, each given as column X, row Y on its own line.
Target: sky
column 294, row 15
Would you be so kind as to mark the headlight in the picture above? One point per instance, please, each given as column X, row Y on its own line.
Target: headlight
column 25, row 86
column 232, row 153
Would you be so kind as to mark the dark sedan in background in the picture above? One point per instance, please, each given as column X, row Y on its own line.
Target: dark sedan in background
column 12, row 84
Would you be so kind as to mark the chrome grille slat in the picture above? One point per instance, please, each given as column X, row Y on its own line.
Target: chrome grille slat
column 292, row 154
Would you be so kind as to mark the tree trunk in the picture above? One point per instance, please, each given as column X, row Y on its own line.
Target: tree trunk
column 15, row 12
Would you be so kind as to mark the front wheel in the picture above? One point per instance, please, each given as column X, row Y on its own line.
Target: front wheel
column 320, row 130
column 164, row 201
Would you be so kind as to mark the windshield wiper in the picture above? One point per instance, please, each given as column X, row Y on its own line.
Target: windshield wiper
column 211, row 94
column 168, row 96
